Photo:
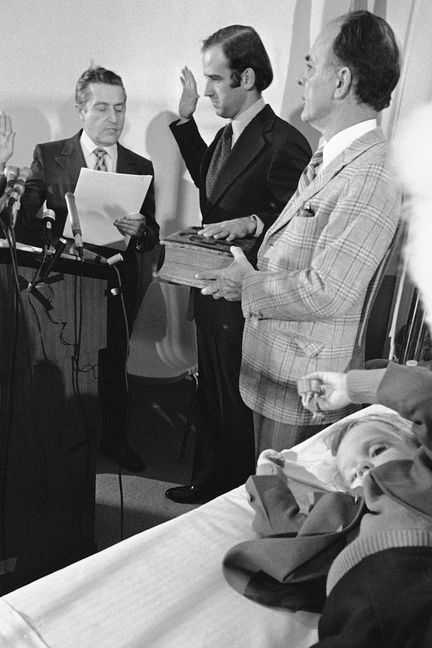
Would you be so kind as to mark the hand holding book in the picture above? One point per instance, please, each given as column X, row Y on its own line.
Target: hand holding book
column 227, row 282
column 187, row 254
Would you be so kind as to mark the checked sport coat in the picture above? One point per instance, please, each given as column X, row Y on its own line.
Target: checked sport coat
column 306, row 304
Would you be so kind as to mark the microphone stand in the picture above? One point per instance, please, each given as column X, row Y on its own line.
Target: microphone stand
column 44, row 280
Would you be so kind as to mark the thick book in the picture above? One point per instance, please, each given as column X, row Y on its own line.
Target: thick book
column 187, row 253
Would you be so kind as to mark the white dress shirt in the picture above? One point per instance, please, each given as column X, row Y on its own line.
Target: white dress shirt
column 88, row 147
column 240, row 122
column 345, row 138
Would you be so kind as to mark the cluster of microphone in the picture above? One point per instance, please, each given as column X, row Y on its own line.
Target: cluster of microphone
column 12, row 186
column 14, row 180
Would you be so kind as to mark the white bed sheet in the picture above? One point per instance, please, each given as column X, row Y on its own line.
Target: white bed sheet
column 162, row 588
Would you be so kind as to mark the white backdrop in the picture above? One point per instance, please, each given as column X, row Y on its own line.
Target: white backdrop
column 46, row 44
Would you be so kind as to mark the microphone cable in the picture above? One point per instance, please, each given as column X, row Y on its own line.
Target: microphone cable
column 76, row 371
column 118, row 292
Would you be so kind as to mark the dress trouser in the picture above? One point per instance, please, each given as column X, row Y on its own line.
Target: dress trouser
column 224, row 454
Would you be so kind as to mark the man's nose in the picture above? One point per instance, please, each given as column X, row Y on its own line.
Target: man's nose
column 300, row 79
column 208, row 90
column 113, row 114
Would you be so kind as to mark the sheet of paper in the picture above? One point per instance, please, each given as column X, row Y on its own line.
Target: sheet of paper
column 101, row 198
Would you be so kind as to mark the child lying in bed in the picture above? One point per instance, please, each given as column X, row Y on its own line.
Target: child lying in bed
column 387, row 569
column 303, row 529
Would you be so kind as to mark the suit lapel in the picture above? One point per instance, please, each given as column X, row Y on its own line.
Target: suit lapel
column 71, row 158
column 126, row 163
column 248, row 146
column 358, row 147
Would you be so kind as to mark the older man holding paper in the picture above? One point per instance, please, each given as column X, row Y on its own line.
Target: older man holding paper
column 100, row 99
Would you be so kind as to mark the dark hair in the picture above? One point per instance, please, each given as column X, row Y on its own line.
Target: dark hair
column 95, row 75
column 243, row 49
column 367, row 45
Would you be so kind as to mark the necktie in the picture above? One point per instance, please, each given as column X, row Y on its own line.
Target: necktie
column 311, row 170
column 220, row 154
column 101, row 161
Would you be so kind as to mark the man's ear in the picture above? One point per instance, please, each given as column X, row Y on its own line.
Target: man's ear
column 80, row 110
column 343, row 84
column 248, row 78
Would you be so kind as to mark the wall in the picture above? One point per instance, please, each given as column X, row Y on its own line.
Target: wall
column 50, row 42
column 46, row 44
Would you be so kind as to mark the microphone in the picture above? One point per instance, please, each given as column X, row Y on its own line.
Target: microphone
column 74, row 221
column 88, row 255
column 6, row 206
column 59, row 248
column 18, row 185
column 48, row 220
column 10, row 174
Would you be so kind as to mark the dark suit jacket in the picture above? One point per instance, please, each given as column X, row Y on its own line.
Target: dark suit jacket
column 259, row 177
column 55, row 170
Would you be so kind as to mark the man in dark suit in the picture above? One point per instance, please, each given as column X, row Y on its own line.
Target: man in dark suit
column 101, row 102
column 245, row 177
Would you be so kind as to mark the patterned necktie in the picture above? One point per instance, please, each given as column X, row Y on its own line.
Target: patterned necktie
column 101, row 161
column 311, row 170
column 220, row 154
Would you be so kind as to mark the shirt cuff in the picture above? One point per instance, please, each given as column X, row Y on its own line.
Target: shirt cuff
column 259, row 225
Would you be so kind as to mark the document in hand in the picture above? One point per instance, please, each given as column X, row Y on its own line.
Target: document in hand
column 100, row 199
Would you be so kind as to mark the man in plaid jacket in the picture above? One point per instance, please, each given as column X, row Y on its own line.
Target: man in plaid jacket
column 306, row 306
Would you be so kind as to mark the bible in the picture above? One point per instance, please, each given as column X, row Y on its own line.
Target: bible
column 187, row 253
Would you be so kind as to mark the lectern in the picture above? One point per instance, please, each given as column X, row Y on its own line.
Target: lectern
column 50, row 415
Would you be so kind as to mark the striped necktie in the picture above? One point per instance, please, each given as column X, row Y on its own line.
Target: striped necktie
column 311, row 170
column 220, row 154
column 100, row 161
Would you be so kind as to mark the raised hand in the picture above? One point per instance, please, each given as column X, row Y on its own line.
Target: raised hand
column 7, row 137
column 189, row 98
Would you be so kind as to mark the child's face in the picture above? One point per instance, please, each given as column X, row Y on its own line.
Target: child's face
column 366, row 446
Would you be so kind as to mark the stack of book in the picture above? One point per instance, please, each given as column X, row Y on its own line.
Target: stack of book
column 187, row 253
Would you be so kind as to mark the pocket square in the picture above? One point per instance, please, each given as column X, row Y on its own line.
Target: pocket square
column 307, row 211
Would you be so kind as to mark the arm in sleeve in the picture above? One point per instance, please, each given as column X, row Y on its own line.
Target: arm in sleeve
column 276, row 510
column 192, row 147
column 407, row 390
column 151, row 237
column 34, row 196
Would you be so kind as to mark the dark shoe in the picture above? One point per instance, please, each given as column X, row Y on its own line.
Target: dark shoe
column 123, row 454
column 192, row 493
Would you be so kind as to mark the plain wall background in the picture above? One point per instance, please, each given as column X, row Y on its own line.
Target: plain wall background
column 46, row 45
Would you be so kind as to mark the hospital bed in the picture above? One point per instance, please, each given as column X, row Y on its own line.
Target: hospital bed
column 164, row 587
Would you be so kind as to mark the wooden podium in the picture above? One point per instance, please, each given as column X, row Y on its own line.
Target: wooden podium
column 50, row 416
